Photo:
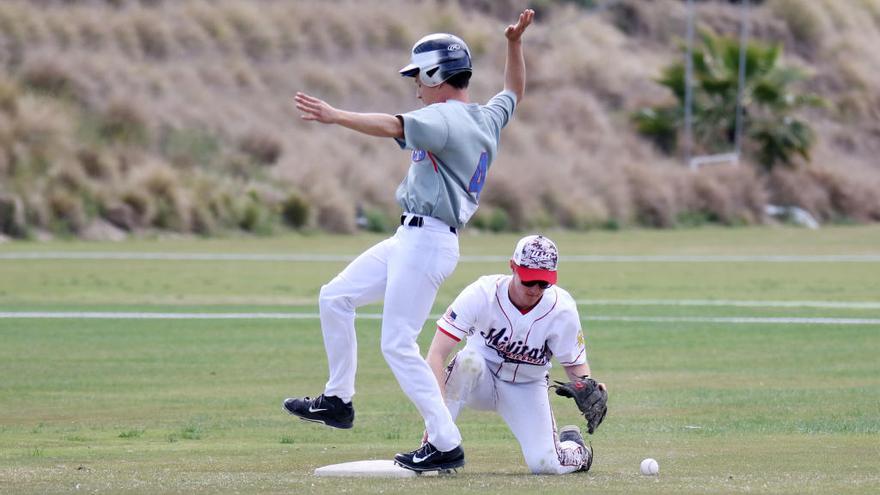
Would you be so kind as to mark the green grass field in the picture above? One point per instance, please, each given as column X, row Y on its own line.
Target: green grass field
column 735, row 388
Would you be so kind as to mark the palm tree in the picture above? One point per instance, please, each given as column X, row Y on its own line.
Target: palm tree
column 773, row 134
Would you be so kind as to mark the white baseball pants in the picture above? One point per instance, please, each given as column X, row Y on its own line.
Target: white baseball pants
column 406, row 270
column 525, row 407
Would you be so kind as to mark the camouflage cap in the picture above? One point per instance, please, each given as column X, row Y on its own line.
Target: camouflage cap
column 536, row 258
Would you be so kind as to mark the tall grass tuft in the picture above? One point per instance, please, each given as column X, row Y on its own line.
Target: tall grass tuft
column 9, row 94
column 49, row 76
column 125, row 122
column 829, row 193
column 805, row 20
column 67, row 213
column 152, row 35
column 94, row 164
column 263, row 148
column 729, row 195
column 253, row 31
column 336, row 216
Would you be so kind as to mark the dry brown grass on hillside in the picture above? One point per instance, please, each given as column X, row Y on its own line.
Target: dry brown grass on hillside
column 102, row 102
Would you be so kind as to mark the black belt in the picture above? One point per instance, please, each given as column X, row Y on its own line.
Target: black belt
column 417, row 221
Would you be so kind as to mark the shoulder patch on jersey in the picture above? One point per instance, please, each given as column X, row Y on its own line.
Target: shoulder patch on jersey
column 450, row 315
column 580, row 338
column 419, row 155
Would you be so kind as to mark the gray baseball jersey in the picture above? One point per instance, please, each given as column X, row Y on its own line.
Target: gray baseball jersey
column 454, row 144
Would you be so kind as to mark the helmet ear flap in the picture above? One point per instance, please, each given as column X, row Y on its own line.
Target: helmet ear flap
column 428, row 77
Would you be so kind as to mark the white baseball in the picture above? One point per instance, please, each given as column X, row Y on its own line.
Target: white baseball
column 649, row 467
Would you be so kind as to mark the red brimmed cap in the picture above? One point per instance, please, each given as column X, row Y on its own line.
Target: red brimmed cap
column 536, row 258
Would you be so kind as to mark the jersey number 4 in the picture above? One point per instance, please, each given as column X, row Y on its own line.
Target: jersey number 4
column 479, row 177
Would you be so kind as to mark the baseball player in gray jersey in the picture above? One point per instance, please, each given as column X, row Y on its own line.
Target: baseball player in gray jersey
column 453, row 143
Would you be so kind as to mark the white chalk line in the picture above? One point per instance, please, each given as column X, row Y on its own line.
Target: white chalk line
column 114, row 315
column 311, row 257
column 731, row 303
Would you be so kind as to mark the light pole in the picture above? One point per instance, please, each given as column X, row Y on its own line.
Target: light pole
column 688, row 84
column 741, row 83
column 690, row 160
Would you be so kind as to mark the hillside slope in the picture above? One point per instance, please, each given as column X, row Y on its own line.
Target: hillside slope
column 178, row 115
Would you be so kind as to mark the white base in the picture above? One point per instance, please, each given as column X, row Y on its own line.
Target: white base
column 366, row 469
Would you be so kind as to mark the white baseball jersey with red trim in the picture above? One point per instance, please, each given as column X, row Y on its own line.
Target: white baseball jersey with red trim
column 505, row 364
column 517, row 347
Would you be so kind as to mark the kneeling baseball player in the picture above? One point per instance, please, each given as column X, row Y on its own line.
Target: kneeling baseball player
column 513, row 325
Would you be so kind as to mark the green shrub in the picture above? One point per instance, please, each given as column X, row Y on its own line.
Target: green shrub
column 502, row 193
column 68, row 214
column 499, row 220
column 164, row 216
column 12, row 216
column 612, row 224
column 170, row 200
column 479, row 220
column 254, row 216
column 376, row 220
column 661, row 124
column 295, row 211
column 692, row 218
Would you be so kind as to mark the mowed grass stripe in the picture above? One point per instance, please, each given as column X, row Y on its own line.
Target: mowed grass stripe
column 315, row 257
column 138, row 282
column 90, row 315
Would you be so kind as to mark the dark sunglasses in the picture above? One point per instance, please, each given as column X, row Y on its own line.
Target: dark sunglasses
column 540, row 283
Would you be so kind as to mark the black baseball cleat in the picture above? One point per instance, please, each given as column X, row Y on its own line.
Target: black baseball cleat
column 325, row 409
column 572, row 433
column 428, row 458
